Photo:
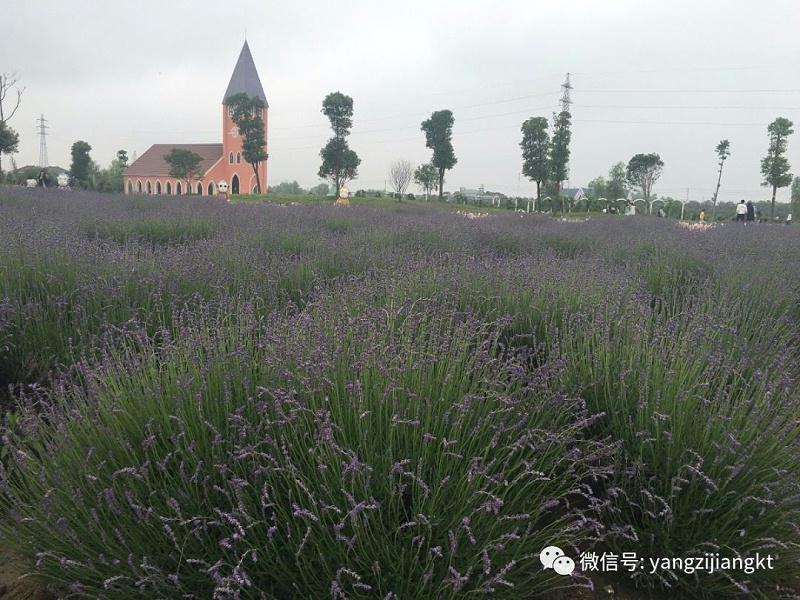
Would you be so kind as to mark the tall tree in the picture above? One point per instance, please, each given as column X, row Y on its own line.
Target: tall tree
column 8, row 137
column 438, row 137
column 617, row 177
column 643, row 171
column 81, row 163
column 183, row 164
column 339, row 162
column 775, row 166
column 535, row 146
column 426, row 176
column 559, row 150
column 247, row 115
column 723, row 152
column 401, row 172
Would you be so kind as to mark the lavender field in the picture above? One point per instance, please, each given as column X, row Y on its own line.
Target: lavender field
column 206, row 400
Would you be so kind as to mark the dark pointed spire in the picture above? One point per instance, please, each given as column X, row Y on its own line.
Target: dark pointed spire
column 245, row 77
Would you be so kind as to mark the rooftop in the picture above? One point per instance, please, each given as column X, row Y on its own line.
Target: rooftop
column 152, row 163
column 245, row 78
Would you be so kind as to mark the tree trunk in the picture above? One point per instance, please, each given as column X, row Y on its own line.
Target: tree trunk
column 441, row 183
column 716, row 193
column 258, row 180
column 774, row 190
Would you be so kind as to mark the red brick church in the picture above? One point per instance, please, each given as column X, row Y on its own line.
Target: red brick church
column 149, row 174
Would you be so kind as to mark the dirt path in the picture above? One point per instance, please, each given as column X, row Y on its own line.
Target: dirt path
column 14, row 585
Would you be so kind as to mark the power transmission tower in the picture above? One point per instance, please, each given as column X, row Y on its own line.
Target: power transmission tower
column 43, row 161
column 565, row 101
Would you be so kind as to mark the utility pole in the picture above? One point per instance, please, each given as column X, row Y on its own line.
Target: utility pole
column 43, row 161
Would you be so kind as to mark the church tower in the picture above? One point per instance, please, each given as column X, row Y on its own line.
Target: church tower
column 239, row 173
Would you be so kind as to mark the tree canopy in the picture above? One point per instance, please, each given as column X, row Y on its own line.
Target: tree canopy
column 9, row 141
column 775, row 166
column 183, row 164
column 438, row 137
column 81, row 163
column 559, row 150
column 426, row 176
column 643, row 171
column 339, row 162
column 535, row 146
column 246, row 114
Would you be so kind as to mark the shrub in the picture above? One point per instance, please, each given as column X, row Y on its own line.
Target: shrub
column 706, row 409
column 400, row 454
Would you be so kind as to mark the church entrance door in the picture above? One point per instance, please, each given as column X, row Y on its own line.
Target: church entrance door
column 235, row 184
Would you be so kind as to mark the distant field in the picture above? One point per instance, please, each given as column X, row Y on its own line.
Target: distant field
column 394, row 399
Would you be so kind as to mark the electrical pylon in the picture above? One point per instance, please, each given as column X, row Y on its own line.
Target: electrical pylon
column 43, row 160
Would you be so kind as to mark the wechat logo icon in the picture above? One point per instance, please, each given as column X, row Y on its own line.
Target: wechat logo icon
column 553, row 557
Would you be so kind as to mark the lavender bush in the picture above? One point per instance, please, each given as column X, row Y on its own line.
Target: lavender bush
column 397, row 454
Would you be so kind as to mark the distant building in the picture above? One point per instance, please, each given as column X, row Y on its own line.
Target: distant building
column 577, row 193
column 149, row 174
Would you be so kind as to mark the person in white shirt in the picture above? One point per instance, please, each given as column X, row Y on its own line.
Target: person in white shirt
column 741, row 211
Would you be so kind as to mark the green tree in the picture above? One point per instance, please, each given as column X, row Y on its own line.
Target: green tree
column 599, row 188
column 8, row 137
column 775, row 166
column 247, row 115
column 426, row 176
column 559, row 150
column 321, row 189
column 617, row 178
column 535, row 146
column 81, row 163
column 723, row 152
column 796, row 196
column 438, row 137
column 339, row 162
column 9, row 140
column 643, row 171
column 183, row 164
column 110, row 179
column 286, row 187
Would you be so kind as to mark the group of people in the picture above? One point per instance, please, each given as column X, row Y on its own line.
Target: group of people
column 746, row 212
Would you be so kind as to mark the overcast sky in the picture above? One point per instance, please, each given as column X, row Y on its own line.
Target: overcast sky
column 672, row 77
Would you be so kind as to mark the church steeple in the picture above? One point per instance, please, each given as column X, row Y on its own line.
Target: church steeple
column 245, row 77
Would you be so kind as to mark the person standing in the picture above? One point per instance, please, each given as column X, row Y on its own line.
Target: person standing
column 751, row 212
column 741, row 211
column 42, row 178
column 703, row 216
column 789, row 219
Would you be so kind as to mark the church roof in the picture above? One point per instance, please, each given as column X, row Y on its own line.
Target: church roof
column 245, row 78
column 152, row 163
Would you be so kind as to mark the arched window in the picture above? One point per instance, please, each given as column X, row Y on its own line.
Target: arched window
column 169, row 187
column 210, row 188
column 138, row 186
column 178, row 188
column 230, row 158
column 238, row 158
column 235, row 184
column 130, row 186
column 158, row 187
column 199, row 189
